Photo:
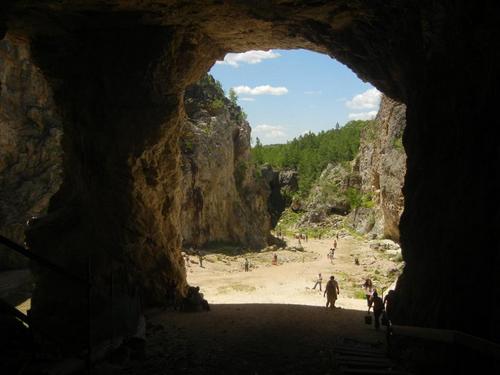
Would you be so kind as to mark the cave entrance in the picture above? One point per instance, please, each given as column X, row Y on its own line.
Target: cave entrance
column 315, row 163
column 119, row 74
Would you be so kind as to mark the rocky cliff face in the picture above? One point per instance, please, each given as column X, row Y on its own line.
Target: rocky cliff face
column 223, row 199
column 368, row 189
column 381, row 165
column 282, row 185
column 30, row 150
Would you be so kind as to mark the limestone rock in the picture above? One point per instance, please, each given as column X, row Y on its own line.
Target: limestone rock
column 382, row 168
column 30, row 150
column 223, row 198
column 282, row 184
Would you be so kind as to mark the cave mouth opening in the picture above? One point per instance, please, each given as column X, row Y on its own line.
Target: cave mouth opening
column 118, row 78
column 293, row 101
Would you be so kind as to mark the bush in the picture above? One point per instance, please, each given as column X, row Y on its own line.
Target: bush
column 216, row 106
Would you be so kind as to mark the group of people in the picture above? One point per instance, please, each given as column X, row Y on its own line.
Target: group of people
column 197, row 253
column 375, row 302
column 331, row 253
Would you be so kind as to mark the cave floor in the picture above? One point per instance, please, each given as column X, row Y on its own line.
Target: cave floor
column 268, row 320
column 247, row 339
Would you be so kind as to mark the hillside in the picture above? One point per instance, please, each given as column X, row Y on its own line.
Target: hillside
column 349, row 178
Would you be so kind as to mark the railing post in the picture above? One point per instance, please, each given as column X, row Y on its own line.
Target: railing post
column 89, row 314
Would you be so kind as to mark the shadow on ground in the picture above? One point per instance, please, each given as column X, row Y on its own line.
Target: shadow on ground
column 248, row 339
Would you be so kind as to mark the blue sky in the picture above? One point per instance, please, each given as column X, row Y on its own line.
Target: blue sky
column 286, row 93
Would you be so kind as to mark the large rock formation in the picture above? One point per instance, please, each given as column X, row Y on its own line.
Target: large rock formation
column 381, row 165
column 30, row 149
column 118, row 71
column 369, row 189
column 223, row 198
column 282, row 184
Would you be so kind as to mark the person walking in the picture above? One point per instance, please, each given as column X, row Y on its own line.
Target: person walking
column 331, row 291
column 247, row 265
column 319, row 281
column 368, row 288
column 378, row 308
column 200, row 258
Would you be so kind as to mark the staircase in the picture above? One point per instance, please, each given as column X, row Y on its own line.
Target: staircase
column 354, row 357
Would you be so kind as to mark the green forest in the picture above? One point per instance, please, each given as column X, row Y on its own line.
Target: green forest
column 309, row 154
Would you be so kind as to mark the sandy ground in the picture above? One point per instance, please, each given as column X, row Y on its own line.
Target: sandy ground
column 268, row 320
column 265, row 321
column 223, row 280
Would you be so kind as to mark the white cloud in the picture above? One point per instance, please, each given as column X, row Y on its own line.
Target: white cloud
column 269, row 133
column 247, row 99
column 249, row 57
column 312, row 92
column 362, row 115
column 370, row 99
column 260, row 90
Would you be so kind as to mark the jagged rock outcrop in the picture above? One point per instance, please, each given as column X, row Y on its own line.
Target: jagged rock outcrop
column 329, row 195
column 30, row 149
column 118, row 71
column 222, row 198
column 369, row 189
column 282, row 184
column 381, row 165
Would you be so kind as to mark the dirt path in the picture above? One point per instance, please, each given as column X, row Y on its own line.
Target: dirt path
column 268, row 320
column 222, row 280
column 250, row 339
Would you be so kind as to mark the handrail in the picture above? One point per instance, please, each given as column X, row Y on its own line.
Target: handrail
column 4, row 306
column 449, row 336
column 44, row 262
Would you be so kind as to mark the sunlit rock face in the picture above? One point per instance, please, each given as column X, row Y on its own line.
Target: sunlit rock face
column 381, row 165
column 118, row 73
column 223, row 197
column 30, row 149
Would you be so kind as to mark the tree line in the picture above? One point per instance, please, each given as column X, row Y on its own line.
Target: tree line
column 310, row 153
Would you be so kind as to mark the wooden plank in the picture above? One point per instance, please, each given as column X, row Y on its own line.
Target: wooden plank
column 367, row 365
column 361, row 354
column 362, row 359
column 372, row 371
column 357, row 349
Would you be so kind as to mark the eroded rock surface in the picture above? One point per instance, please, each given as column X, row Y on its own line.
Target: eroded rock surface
column 382, row 167
column 223, row 198
column 30, row 149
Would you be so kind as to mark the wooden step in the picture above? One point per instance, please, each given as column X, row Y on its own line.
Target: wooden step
column 362, row 359
column 359, row 348
column 371, row 371
column 357, row 365
column 358, row 353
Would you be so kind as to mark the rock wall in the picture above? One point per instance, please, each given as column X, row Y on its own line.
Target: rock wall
column 381, row 165
column 30, row 149
column 282, row 184
column 222, row 197
column 369, row 189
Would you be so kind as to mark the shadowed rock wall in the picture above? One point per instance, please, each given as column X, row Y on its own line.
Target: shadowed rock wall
column 118, row 71
column 30, row 150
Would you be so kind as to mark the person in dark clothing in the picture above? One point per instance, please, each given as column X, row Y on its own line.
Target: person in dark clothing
column 378, row 308
column 389, row 302
column 247, row 265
